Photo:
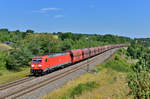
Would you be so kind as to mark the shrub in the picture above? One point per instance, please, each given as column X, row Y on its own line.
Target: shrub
column 116, row 57
column 3, row 56
column 139, row 84
column 139, row 81
column 82, row 87
column 116, row 63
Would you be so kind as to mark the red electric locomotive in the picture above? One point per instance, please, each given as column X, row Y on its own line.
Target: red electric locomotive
column 48, row 62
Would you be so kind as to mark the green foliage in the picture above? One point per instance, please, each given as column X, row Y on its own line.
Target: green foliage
column 116, row 63
column 4, row 30
column 144, row 41
column 117, row 58
column 74, row 41
column 79, row 89
column 139, row 81
column 3, row 56
column 27, row 44
column 31, row 46
column 113, row 80
column 42, row 43
column 82, row 87
column 11, row 36
column 136, row 50
column 114, row 39
column 14, row 61
column 139, row 78
column 29, row 31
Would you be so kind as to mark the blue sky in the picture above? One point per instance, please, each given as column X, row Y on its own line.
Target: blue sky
column 120, row 17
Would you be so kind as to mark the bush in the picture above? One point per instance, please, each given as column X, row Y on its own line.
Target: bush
column 139, row 84
column 139, row 81
column 116, row 58
column 3, row 56
column 116, row 63
column 82, row 87
column 15, row 60
column 12, row 63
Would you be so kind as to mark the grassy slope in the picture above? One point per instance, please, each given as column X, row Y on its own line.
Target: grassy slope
column 4, row 47
column 8, row 76
column 111, row 80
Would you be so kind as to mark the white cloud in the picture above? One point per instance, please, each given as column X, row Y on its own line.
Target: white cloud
column 44, row 10
column 49, row 9
column 58, row 16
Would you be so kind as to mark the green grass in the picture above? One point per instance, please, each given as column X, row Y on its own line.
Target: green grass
column 8, row 76
column 107, row 80
column 117, row 63
column 80, row 88
column 83, row 87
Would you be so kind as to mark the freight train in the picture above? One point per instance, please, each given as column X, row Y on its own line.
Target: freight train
column 46, row 63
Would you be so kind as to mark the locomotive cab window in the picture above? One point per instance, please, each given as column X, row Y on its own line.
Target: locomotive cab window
column 37, row 60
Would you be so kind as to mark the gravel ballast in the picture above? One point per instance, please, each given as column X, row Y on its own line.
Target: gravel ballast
column 38, row 93
column 56, row 84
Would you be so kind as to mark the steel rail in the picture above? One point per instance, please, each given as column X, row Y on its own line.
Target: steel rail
column 15, row 83
column 56, row 77
column 47, row 81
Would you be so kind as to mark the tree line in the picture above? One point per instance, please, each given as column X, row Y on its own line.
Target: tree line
column 27, row 44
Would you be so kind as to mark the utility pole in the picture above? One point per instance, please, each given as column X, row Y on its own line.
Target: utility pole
column 88, row 59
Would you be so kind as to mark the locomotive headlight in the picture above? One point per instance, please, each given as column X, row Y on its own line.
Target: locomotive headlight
column 40, row 65
column 32, row 65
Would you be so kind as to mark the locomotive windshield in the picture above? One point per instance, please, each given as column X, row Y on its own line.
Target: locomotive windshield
column 37, row 60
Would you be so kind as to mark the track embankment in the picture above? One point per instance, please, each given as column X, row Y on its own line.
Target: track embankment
column 35, row 88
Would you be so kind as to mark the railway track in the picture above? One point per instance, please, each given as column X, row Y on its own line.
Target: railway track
column 15, row 83
column 40, row 84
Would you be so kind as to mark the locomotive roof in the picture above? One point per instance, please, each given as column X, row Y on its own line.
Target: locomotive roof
column 57, row 54
column 51, row 55
column 39, row 56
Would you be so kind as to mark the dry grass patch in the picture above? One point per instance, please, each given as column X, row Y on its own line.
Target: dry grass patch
column 5, row 47
column 110, row 77
column 114, row 87
column 111, row 85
